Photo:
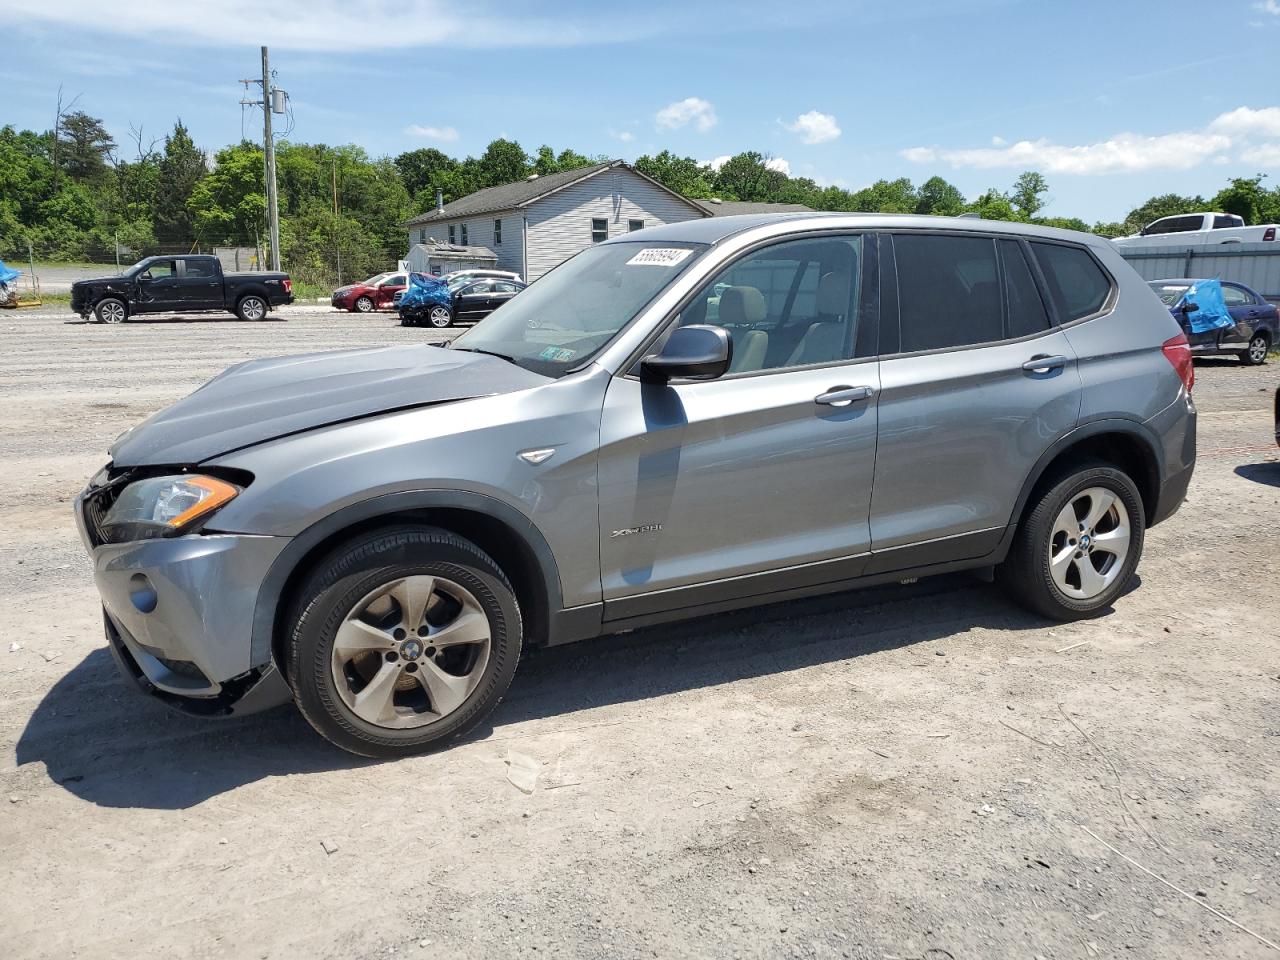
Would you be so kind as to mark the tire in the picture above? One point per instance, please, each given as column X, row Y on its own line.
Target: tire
column 337, row 594
column 407, row 321
column 111, row 310
column 440, row 317
column 1065, row 591
column 251, row 308
column 362, row 305
column 1256, row 352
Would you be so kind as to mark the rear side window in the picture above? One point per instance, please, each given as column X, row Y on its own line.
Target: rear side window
column 199, row 268
column 1026, row 313
column 948, row 291
column 1225, row 221
column 1077, row 284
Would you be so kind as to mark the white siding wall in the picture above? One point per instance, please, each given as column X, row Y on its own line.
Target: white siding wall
column 480, row 233
column 560, row 225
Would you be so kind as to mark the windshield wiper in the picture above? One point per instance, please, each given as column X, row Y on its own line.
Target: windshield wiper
column 490, row 353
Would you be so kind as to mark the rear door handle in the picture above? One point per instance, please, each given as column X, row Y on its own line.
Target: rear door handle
column 1044, row 364
column 842, row 396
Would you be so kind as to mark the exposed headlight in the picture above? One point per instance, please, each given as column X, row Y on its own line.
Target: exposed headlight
column 164, row 506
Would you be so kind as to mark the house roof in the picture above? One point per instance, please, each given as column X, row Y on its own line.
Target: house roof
column 734, row 208
column 523, row 192
column 453, row 251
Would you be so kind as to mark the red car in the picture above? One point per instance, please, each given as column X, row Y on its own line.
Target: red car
column 376, row 293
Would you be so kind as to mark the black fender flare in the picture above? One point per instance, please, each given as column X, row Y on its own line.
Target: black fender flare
column 272, row 591
column 1136, row 429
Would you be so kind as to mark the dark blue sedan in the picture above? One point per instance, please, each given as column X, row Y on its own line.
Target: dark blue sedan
column 1257, row 321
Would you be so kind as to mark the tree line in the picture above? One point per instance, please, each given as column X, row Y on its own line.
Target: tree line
column 74, row 194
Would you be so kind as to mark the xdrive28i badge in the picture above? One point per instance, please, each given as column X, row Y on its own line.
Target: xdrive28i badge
column 632, row 531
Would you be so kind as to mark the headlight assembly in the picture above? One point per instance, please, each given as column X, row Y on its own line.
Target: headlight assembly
column 164, row 506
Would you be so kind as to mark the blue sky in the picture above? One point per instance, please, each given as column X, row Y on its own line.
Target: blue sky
column 1112, row 101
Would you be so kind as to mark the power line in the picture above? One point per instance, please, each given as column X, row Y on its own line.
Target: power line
column 274, row 100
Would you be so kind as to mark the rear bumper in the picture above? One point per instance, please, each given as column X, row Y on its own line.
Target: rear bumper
column 1175, row 426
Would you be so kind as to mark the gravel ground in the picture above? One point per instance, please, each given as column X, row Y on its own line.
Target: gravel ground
column 910, row 772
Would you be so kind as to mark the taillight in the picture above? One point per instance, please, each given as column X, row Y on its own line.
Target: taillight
column 1177, row 350
column 1269, row 234
column 288, row 285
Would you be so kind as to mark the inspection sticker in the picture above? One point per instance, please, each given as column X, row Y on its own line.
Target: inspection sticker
column 557, row 354
column 658, row 257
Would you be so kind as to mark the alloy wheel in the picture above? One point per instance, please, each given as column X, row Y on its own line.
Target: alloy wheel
column 411, row 652
column 252, row 308
column 439, row 317
column 1258, row 349
column 364, row 305
column 1089, row 543
column 112, row 312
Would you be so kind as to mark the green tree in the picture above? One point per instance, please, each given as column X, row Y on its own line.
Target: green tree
column 684, row 175
column 229, row 205
column 1165, row 205
column 181, row 167
column 84, row 146
column 993, row 205
column 938, row 197
column 886, row 196
column 503, row 161
column 1246, row 197
column 422, row 169
column 747, row 177
column 1029, row 194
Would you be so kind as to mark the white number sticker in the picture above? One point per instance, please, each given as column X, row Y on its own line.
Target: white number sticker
column 658, row 257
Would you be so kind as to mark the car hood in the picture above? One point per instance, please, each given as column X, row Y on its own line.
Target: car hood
column 88, row 280
column 263, row 400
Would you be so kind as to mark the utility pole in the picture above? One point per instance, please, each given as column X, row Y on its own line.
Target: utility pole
column 337, row 235
column 273, row 101
column 273, row 210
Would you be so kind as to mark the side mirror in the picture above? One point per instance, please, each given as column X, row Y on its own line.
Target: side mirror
column 697, row 352
column 1188, row 307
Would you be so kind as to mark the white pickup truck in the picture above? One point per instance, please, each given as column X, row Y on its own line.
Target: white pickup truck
column 1197, row 230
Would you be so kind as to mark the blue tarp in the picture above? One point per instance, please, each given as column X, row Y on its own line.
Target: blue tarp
column 423, row 289
column 1211, row 311
column 8, row 274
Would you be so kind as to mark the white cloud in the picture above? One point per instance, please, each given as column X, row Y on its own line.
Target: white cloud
column 715, row 163
column 693, row 110
column 1266, row 154
column 442, row 134
column 814, row 127
column 998, row 141
column 626, row 136
column 779, row 164
column 1268, row 6
column 319, row 25
column 1123, row 153
column 1247, row 122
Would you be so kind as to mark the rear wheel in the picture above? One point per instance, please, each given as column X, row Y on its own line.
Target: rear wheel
column 251, row 307
column 1078, row 545
column 440, row 316
column 405, row 640
column 111, row 310
column 364, row 305
column 1256, row 352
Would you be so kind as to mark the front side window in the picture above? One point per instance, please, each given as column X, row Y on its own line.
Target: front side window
column 599, row 230
column 1077, row 284
column 160, row 270
column 394, row 280
column 573, row 312
column 788, row 305
column 497, row 233
column 948, row 291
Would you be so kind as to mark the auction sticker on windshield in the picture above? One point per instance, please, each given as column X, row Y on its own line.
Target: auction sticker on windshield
column 659, row 257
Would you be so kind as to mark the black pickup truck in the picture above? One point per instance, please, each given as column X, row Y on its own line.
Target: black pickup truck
column 180, row 284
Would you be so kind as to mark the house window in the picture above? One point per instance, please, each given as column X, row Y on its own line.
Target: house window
column 634, row 225
column 599, row 230
column 464, row 234
column 422, row 235
column 452, row 236
column 497, row 233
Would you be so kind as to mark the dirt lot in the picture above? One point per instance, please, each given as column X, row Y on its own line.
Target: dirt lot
column 915, row 772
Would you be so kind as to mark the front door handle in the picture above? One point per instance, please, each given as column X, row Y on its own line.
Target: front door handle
column 842, row 396
column 1043, row 364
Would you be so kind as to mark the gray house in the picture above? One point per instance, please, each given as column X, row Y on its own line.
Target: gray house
column 533, row 225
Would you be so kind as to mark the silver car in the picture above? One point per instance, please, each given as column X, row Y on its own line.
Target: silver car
column 376, row 534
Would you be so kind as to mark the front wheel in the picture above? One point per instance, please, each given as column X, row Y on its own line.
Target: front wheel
column 1256, row 352
column 404, row 639
column 364, row 305
column 440, row 316
column 111, row 310
column 1078, row 544
column 251, row 308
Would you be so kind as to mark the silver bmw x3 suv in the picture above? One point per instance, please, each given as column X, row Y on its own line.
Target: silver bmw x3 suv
column 694, row 418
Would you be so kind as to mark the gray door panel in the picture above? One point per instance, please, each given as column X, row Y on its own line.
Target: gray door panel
column 714, row 480
column 960, row 431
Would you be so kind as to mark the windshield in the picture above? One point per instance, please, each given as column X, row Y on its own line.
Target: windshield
column 569, row 315
column 373, row 281
column 1169, row 293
